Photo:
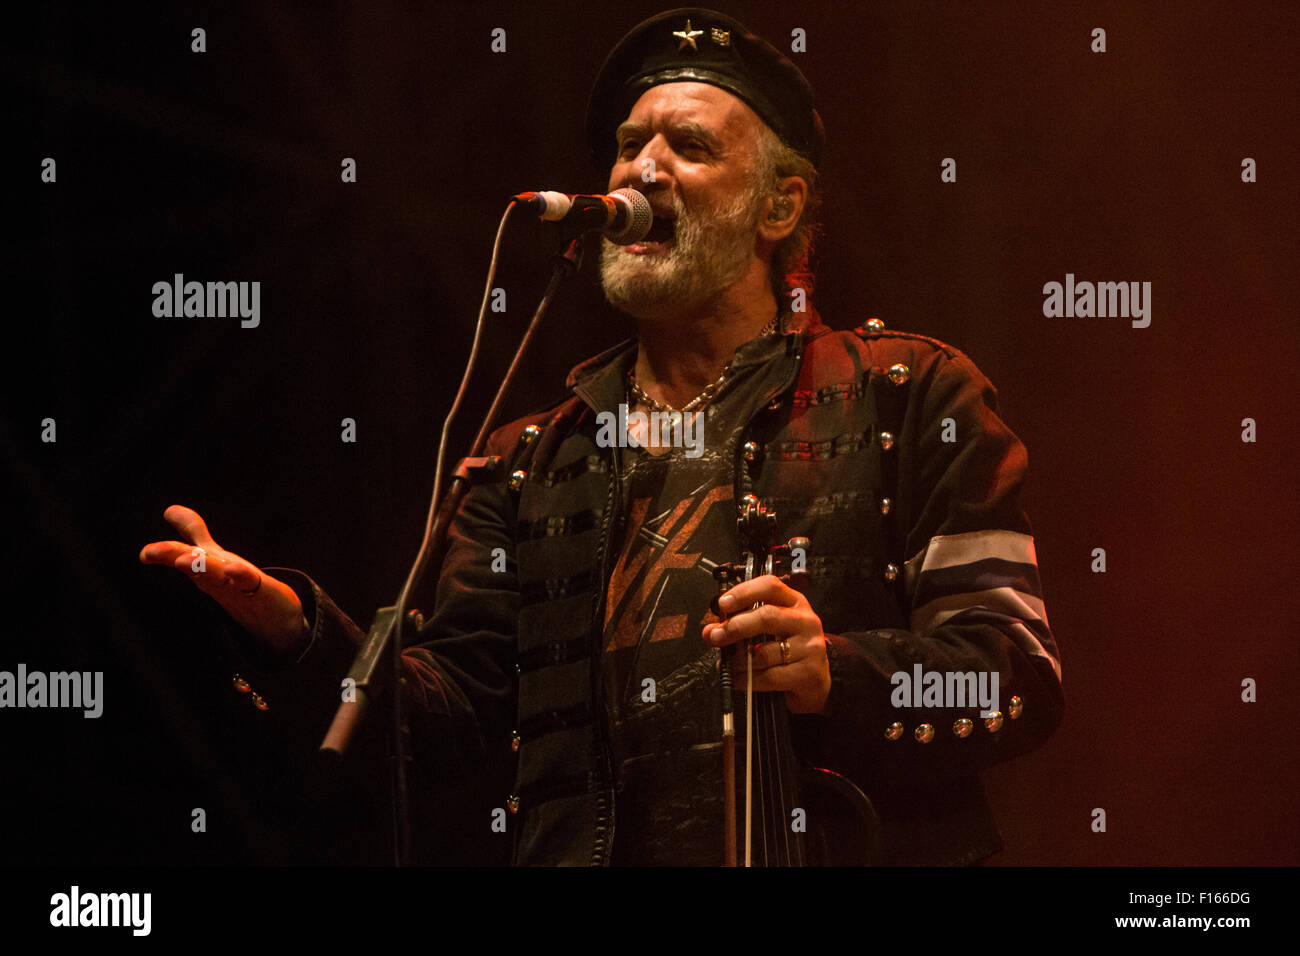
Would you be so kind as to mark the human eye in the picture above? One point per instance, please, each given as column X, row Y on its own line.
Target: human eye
column 693, row 145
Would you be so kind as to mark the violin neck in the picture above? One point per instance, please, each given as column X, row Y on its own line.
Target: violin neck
column 775, row 839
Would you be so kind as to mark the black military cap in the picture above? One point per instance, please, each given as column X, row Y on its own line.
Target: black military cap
column 703, row 46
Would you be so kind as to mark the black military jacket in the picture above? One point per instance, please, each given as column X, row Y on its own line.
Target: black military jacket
column 883, row 448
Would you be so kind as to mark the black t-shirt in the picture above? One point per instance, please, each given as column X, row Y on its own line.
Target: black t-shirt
column 661, row 677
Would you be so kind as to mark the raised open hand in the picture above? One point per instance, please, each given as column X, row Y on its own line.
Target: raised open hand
column 265, row 607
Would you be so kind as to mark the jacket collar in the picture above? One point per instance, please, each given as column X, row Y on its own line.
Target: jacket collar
column 598, row 381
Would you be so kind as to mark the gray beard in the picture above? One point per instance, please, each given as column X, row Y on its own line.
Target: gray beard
column 711, row 251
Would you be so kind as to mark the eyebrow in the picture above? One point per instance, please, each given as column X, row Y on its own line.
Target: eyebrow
column 685, row 129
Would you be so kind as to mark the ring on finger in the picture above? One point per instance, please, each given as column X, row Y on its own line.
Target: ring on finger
column 785, row 652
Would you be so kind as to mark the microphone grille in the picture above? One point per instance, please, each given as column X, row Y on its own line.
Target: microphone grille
column 639, row 220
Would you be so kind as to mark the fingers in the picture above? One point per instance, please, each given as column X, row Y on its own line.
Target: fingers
column 191, row 526
column 264, row 606
column 212, row 569
column 805, row 679
column 781, row 611
column 764, row 619
column 210, row 566
column 239, row 573
column 768, row 655
column 195, row 561
column 767, row 589
column 803, row 673
column 218, row 570
column 164, row 552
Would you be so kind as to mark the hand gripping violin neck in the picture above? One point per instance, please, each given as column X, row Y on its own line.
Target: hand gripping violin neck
column 794, row 814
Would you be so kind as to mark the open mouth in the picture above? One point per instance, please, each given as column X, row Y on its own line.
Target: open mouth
column 661, row 230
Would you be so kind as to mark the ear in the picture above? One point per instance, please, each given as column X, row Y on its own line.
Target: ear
column 782, row 211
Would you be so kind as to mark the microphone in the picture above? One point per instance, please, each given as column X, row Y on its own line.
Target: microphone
column 624, row 216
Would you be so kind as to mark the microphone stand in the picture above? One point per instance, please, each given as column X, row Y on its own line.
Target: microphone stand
column 384, row 639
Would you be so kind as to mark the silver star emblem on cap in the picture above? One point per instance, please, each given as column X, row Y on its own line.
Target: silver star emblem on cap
column 688, row 36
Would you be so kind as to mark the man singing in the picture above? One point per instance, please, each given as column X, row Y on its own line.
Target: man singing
column 590, row 656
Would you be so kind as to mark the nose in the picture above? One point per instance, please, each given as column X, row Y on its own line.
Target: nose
column 648, row 171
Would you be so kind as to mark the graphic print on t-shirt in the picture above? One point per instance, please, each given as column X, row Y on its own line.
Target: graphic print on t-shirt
column 661, row 687
column 664, row 544
column 680, row 523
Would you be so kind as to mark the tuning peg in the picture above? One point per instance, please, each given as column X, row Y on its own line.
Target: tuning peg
column 792, row 558
column 727, row 574
column 786, row 556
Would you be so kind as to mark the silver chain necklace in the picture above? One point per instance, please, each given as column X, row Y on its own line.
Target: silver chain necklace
column 699, row 401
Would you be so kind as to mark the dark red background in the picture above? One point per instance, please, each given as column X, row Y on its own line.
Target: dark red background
column 225, row 166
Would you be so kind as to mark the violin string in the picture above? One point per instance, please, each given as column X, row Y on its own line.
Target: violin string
column 749, row 751
column 766, row 757
column 773, row 700
column 764, row 771
column 786, row 809
column 772, row 782
column 778, row 787
column 761, row 758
